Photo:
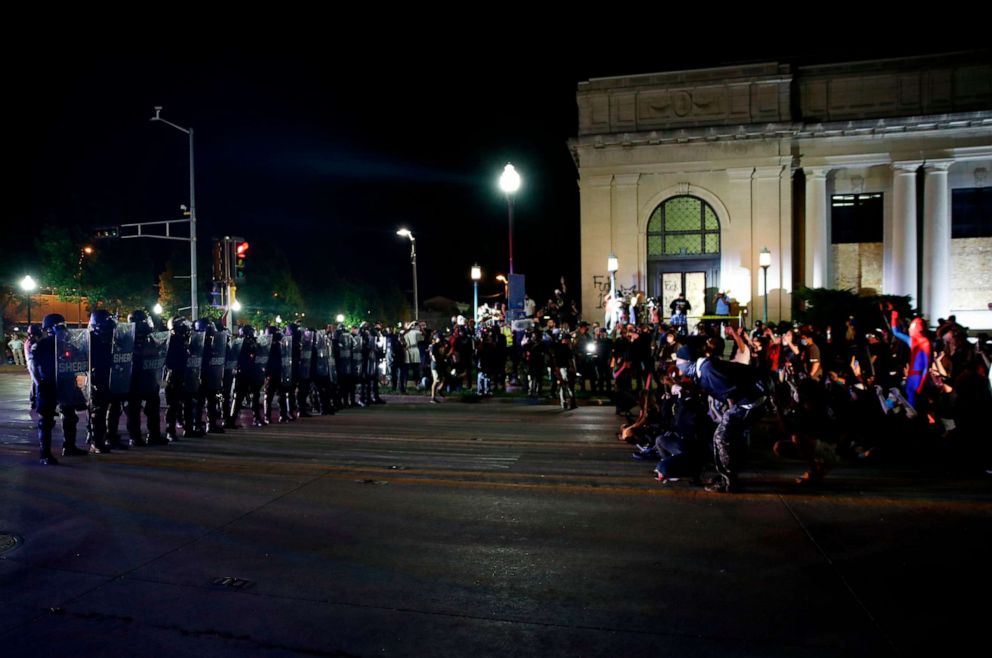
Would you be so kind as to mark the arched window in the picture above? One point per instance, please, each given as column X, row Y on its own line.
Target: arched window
column 683, row 226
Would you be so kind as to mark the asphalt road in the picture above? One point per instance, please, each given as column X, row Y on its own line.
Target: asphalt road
column 499, row 528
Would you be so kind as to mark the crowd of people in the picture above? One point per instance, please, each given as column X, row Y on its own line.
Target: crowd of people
column 688, row 399
column 827, row 395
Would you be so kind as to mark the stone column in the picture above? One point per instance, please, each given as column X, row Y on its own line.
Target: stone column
column 817, row 270
column 899, row 248
column 596, row 241
column 625, row 235
column 936, row 298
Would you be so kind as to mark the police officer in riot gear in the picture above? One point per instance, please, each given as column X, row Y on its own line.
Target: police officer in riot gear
column 209, row 395
column 248, row 379
column 102, row 402
column 179, row 403
column 359, row 356
column 34, row 335
column 45, row 369
column 144, row 384
column 294, row 391
column 342, row 346
column 325, row 370
column 273, row 377
column 377, row 353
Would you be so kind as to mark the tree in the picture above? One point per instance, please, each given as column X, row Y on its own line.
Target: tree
column 822, row 307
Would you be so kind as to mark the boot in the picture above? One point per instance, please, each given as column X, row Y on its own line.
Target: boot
column 45, row 441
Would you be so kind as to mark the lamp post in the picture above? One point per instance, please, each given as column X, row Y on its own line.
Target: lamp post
column 765, row 260
column 506, row 288
column 476, row 275
column 509, row 182
column 612, row 265
column 405, row 233
column 28, row 285
column 194, row 305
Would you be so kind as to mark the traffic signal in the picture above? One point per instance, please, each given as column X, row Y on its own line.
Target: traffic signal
column 240, row 253
column 106, row 232
column 218, row 258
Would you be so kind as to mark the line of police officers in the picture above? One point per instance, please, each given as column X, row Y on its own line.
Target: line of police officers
column 115, row 368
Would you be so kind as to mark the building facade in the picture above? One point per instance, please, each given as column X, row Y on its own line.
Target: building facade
column 869, row 175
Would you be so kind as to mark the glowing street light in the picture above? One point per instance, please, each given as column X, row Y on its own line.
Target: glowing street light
column 339, row 318
column 476, row 275
column 28, row 285
column 509, row 182
column 405, row 233
column 157, row 309
column 765, row 261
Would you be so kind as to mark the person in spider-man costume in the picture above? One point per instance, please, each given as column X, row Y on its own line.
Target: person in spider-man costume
column 919, row 356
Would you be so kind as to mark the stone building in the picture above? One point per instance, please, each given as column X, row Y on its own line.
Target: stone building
column 868, row 175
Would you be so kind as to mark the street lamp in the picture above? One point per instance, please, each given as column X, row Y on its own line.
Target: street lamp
column 612, row 265
column 506, row 288
column 765, row 260
column 405, row 233
column 476, row 275
column 28, row 285
column 194, row 306
column 157, row 309
column 340, row 318
column 509, row 182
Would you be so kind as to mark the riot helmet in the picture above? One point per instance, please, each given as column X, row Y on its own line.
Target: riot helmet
column 102, row 322
column 179, row 326
column 51, row 322
column 205, row 325
column 142, row 323
column 246, row 331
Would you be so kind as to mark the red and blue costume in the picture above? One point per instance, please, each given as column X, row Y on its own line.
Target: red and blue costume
column 919, row 356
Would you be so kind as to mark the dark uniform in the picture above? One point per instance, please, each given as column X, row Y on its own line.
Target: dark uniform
column 178, row 399
column 248, row 379
column 102, row 402
column 144, row 390
column 210, row 385
column 44, row 362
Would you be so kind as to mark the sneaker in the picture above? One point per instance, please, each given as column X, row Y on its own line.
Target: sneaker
column 660, row 477
column 72, row 451
column 645, row 455
column 99, row 450
column 49, row 461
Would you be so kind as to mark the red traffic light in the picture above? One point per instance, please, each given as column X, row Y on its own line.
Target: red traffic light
column 241, row 249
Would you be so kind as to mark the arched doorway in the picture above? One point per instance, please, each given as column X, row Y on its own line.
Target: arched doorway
column 684, row 253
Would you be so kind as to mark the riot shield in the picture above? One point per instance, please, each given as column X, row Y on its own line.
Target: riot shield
column 322, row 345
column 122, row 359
column 328, row 358
column 153, row 351
column 215, row 369
column 231, row 364
column 306, row 353
column 262, row 356
column 194, row 363
column 72, row 373
column 287, row 360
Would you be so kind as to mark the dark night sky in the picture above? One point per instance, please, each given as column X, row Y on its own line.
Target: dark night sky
column 326, row 147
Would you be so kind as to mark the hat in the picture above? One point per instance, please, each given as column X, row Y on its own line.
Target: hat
column 685, row 352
